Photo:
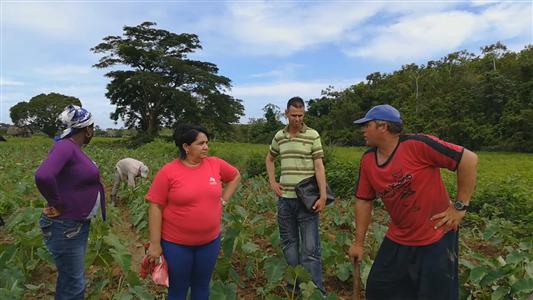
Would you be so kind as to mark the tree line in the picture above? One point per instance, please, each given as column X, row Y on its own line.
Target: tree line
column 481, row 101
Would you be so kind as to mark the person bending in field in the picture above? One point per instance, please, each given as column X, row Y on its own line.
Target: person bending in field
column 127, row 169
column 418, row 258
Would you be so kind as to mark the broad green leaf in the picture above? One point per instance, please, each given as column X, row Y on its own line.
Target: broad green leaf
column 477, row 274
column 468, row 264
column 222, row 291
column 500, row 292
column 241, row 211
column 275, row 268
column 523, row 286
column 529, row 268
column 516, row 257
column 123, row 296
column 250, row 247
column 344, row 270
column 308, row 289
column 492, row 277
column 141, row 292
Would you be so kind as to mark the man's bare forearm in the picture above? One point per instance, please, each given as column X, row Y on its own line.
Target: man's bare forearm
column 363, row 217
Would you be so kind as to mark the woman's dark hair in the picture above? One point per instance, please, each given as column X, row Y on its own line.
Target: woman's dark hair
column 187, row 134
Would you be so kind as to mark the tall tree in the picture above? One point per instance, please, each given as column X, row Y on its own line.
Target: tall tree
column 494, row 52
column 262, row 130
column 41, row 112
column 161, row 86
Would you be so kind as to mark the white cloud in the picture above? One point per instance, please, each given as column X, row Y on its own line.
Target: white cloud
column 9, row 82
column 508, row 20
column 285, row 71
column 281, row 89
column 66, row 71
column 411, row 38
column 75, row 22
column 419, row 7
column 481, row 2
column 284, row 28
column 48, row 18
column 255, row 97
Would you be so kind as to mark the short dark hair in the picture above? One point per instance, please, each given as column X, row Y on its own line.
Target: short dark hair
column 187, row 134
column 392, row 127
column 296, row 102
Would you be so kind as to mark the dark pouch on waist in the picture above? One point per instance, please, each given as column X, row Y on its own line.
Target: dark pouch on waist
column 308, row 192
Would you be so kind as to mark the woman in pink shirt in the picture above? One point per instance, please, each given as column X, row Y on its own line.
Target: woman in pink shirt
column 186, row 200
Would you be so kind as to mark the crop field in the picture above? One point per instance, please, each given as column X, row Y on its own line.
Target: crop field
column 496, row 244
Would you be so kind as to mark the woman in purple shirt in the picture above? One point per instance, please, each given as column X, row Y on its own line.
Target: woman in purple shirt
column 70, row 182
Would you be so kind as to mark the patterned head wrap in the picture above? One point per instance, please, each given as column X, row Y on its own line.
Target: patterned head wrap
column 74, row 117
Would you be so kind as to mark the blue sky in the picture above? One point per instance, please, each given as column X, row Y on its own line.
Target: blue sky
column 271, row 50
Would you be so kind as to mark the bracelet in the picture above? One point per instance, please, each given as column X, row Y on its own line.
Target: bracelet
column 224, row 202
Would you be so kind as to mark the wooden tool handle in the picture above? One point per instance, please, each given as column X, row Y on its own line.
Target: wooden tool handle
column 356, row 280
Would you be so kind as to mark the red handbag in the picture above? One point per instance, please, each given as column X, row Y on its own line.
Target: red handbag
column 159, row 271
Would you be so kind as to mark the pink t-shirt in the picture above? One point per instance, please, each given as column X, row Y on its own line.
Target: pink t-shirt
column 191, row 199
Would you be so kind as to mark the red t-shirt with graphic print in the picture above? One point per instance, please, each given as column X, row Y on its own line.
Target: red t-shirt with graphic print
column 191, row 199
column 410, row 185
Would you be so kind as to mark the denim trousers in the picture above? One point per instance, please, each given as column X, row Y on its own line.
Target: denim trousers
column 300, row 240
column 67, row 242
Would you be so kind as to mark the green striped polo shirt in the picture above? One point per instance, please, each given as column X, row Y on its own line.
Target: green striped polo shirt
column 297, row 156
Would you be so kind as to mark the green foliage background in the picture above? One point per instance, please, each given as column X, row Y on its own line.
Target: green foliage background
column 481, row 102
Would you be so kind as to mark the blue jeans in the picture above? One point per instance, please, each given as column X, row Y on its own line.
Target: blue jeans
column 296, row 225
column 67, row 241
column 190, row 266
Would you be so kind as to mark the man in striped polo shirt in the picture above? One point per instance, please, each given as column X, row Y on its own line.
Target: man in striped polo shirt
column 300, row 152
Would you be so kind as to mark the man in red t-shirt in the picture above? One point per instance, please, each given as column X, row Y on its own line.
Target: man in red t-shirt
column 418, row 258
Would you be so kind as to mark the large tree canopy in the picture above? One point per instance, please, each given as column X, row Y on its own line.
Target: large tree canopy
column 161, row 86
column 41, row 112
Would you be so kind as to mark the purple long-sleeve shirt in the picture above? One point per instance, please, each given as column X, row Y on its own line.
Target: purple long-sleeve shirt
column 70, row 181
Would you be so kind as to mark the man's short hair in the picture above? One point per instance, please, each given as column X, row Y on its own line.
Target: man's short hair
column 296, row 102
column 392, row 127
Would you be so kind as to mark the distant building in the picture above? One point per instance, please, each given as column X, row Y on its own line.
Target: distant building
column 19, row 131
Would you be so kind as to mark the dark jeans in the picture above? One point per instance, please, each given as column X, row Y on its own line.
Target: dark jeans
column 415, row 272
column 67, row 241
column 190, row 266
column 297, row 225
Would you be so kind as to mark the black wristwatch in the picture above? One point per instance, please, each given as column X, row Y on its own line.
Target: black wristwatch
column 459, row 205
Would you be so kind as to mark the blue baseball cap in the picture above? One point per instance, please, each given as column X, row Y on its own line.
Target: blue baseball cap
column 382, row 112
